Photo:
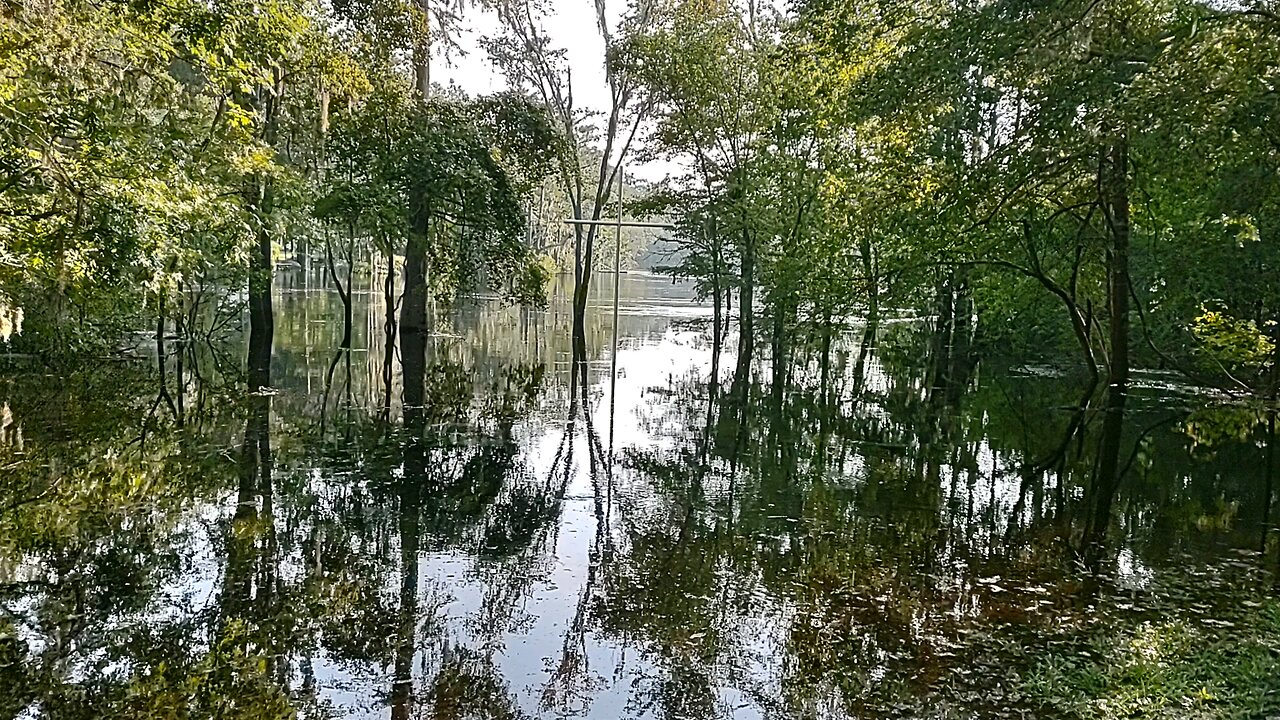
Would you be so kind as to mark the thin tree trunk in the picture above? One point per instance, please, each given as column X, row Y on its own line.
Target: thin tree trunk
column 347, row 318
column 828, row 330
column 1107, row 481
column 943, row 332
column 717, row 337
column 779, row 342
column 962, row 357
column 582, row 286
column 422, row 53
column 746, row 304
column 389, row 327
column 344, row 294
column 409, row 522
column 871, row 277
column 1269, row 473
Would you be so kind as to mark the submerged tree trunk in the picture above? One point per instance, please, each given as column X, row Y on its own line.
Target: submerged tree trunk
column 413, row 363
column 717, row 305
column 870, row 276
column 389, row 330
column 262, row 204
column 347, row 320
column 943, row 336
column 249, row 578
column 779, row 343
column 180, row 377
column 344, row 294
column 1107, row 481
column 717, row 338
column 584, row 259
column 746, row 326
column 580, row 311
column 1269, row 474
column 162, row 365
column 746, row 301
column 962, row 358
column 827, row 330
column 261, row 314
column 407, row 617
column 413, row 304
column 859, row 378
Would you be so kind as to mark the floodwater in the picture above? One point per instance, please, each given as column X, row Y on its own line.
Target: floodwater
column 641, row 543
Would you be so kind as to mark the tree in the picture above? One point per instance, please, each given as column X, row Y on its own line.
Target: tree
column 525, row 55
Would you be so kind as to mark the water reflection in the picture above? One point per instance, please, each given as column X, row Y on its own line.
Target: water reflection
column 482, row 522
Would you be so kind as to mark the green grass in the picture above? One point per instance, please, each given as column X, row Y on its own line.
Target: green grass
column 1169, row 669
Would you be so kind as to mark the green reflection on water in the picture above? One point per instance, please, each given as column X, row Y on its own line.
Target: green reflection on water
column 641, row 543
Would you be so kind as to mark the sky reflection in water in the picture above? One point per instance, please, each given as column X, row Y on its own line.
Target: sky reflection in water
column 674, row 556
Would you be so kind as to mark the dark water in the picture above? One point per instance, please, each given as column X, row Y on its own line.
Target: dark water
column 639, row 544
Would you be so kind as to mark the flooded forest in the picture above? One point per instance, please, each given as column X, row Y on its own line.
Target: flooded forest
column 670, row 359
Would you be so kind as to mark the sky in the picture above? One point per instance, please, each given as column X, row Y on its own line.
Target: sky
column 571, row 26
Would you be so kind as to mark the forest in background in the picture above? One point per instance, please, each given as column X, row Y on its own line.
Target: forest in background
column 1093, row 184
column 1081, row 181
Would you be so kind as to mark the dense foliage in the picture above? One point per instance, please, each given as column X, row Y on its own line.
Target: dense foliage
column 159, row 155
column 983, row 161
column 1050, row 175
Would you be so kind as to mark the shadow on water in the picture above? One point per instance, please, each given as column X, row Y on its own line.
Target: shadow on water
column 485, row 518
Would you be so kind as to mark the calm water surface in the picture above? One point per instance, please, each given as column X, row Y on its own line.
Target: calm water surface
column 638, row 543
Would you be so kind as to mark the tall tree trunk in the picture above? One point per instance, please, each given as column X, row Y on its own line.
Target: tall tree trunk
column 413, row 363
column 407, row 617
column 347, row 319
column 422, row 53
column 717, row 334
column 1269, row 474
column 712, row 236
column 1107, row 481
column 344, row 294
column 162, row 365
column 962, row 357
column 413, row 304
column 180, row 377
column 779, row 344
column 583, row 262
column 746, row 304
column 262, row 204
column 943, row 336
column 237, row 579
column 870, row 277
column 828, row 330
column 389, row 328
column 254, row 484
column 261, row 314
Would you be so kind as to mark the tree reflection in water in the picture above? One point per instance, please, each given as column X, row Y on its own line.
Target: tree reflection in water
column 516, row 525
